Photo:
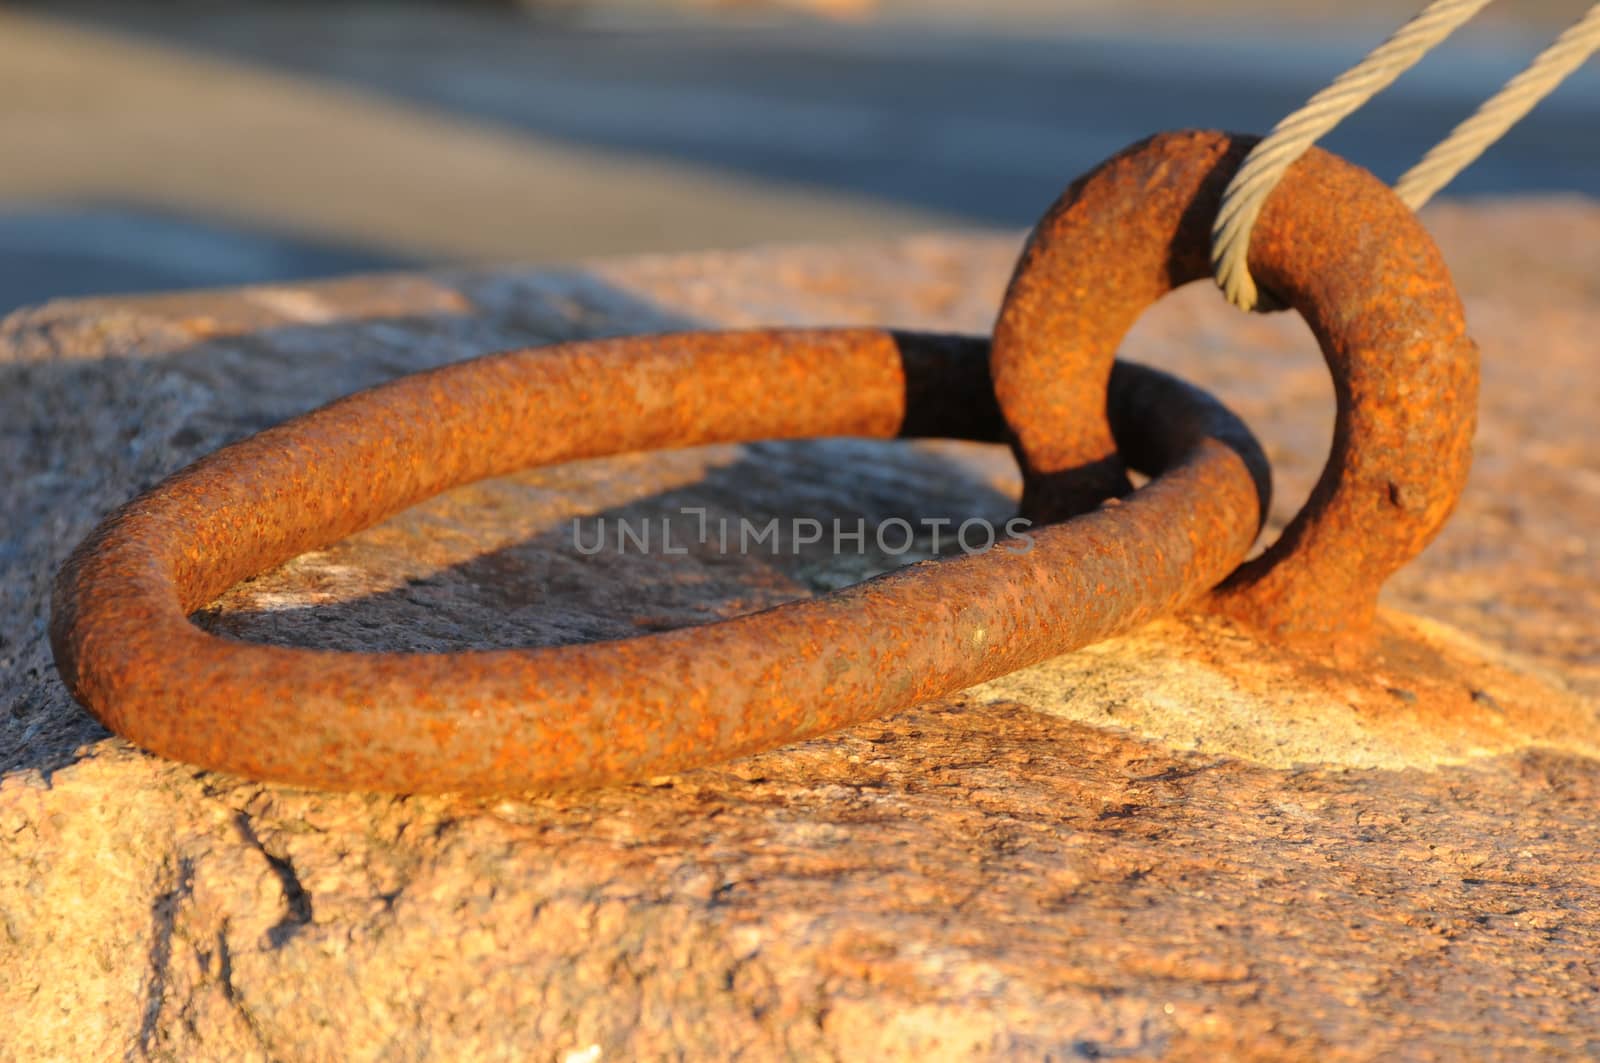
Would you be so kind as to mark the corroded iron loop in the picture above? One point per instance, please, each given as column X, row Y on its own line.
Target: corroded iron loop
column 513, row 720
column 1333, row 243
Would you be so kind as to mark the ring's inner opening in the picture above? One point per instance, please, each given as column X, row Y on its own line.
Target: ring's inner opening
column 1266, row 368
column 618, row 547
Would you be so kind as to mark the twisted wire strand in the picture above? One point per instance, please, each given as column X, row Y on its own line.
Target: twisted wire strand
column 1501, row 111
column 1265, row 166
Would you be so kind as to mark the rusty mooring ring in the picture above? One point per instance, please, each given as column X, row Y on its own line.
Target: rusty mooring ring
column 502, row 721
column 1334, row 243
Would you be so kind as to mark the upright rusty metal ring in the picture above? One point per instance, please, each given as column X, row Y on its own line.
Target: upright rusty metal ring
column 514, row 720
column 1339, row 247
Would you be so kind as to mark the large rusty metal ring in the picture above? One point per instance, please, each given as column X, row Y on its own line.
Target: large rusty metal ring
column 1334, row 244
column 510, row 720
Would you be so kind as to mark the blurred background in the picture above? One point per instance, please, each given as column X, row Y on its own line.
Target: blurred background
column 162, row 145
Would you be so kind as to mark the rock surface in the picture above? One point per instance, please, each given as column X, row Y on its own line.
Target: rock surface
column 1114, row 854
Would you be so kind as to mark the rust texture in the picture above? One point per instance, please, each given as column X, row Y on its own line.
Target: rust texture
column 1333, row 243
column 1342, row 251
column 579, row 715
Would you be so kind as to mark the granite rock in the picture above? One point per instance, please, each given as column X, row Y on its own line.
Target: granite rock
column 1122, row 852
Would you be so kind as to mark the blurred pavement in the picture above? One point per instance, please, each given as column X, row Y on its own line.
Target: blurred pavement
column 173, row 145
